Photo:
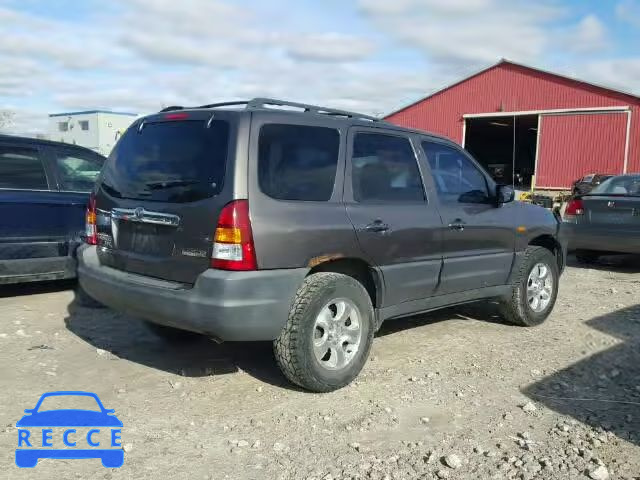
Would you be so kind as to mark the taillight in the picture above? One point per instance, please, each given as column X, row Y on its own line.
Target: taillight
column 575, row 207
column 233, row 247
column 91, row 232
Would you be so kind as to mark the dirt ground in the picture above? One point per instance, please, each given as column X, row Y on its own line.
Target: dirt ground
column 452, row 394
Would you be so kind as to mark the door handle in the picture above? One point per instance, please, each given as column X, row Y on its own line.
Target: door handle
column 457, row 224
column 377, row 227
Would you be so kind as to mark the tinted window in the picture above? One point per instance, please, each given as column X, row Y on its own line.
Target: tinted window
column 21, row 168
column 456, row 177
column 181, row 161
column 627, row 185
column 384, row 169
column 77, row 170
column 298, row 162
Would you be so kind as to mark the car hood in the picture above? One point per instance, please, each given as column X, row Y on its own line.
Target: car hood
column 69, row 418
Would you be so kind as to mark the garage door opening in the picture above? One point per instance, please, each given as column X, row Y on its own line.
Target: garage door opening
column 505, row 146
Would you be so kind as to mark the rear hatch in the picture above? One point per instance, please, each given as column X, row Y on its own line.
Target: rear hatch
column 161, row 191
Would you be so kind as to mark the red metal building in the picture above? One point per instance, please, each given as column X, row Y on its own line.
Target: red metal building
column 520, row 121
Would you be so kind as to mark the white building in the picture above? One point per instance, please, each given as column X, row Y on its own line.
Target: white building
column 95, row 129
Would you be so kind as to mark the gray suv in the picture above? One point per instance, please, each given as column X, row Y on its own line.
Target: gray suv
column 308, row 227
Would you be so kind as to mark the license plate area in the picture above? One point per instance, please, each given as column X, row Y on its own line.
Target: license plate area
column 144, row 238
column 615, row 217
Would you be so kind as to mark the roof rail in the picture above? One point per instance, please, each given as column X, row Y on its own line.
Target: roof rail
column 269, row 103
column 264, row 103
column 225, row 104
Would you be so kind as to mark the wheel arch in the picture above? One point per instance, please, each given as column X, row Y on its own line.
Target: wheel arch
column 550, row 243
column 356, row 268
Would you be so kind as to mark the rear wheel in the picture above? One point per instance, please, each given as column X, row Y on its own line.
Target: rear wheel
column 328, row 334
column 173, row 335
column 587, row 256
column 535, row 289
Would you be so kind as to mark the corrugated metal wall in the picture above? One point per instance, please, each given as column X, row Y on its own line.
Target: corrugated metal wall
column 510, row 88
column 573, row 145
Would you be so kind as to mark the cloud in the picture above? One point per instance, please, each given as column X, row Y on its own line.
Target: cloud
column 369, row 55
column 589, row 35
column 25, row 35
column 628, row 11
column 402, row 7
column 463, row 31
column 621, row 73
column 330, row 47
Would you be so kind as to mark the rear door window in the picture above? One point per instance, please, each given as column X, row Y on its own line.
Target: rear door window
column 297, row 162
column 182, row 161
column 385, row 169
column 21, row 169
column 77, row 170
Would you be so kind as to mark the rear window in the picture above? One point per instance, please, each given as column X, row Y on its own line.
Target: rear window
column 628, row 185
column 169, row 162
column 298, row 162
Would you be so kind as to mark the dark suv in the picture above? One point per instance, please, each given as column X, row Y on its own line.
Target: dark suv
column 308, row 227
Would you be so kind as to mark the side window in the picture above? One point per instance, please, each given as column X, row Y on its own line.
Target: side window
column 298, row 162
column 21, row 168
column 384, row 169
column 77, row 171
column 456, row 177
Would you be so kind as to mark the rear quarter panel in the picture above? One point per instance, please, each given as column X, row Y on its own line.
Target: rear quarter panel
column 291, row 234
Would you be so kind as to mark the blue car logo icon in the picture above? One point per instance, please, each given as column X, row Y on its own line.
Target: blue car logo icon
column 41, row 431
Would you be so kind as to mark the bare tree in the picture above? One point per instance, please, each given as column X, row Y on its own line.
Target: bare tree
column 6, row 119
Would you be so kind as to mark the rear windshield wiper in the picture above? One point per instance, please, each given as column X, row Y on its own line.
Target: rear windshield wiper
column 171, row 184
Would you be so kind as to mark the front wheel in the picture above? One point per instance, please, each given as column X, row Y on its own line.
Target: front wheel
column 328, row 334
column 534, row 290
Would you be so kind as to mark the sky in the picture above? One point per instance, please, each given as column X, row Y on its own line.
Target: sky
column 372, row 56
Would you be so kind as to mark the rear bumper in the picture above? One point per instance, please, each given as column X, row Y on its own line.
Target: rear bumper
column 602, row 239
column 232, row 306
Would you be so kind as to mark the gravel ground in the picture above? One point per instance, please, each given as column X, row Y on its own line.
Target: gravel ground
column 453, row 394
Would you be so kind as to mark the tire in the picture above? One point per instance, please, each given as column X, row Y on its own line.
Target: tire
column 587, row 256
column 517, row 308
column 83, row 299
column 299, row 347
column 173, row 335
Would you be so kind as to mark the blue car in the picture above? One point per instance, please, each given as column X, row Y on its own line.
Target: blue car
column 44, row 190
column 28, row 453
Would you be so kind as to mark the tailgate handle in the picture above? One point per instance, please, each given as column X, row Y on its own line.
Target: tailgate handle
column 141, row 215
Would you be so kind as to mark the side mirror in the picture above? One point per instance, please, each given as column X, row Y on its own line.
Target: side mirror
column 28, row 410
column 505, row 194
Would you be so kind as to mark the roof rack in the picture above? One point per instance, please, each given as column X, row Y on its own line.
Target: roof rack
column 269, row 103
